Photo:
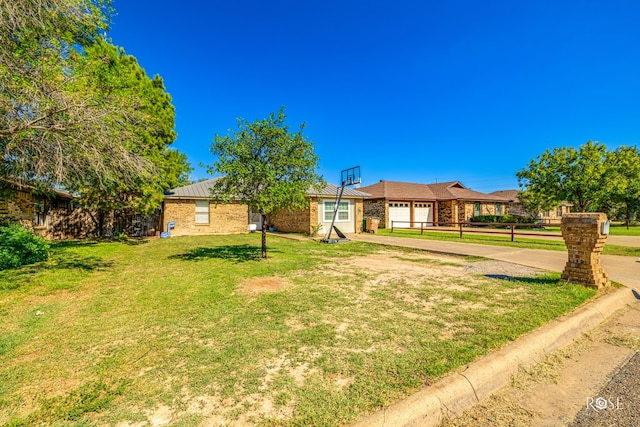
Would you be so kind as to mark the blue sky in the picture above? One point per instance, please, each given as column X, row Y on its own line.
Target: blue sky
column 416, row 91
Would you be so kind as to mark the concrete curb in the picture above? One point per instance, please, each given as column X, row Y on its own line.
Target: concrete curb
column 458, row 391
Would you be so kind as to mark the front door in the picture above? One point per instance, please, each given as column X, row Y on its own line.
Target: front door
column 255, row 218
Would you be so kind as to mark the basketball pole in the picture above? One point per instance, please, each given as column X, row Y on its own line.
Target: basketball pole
column 350, row 176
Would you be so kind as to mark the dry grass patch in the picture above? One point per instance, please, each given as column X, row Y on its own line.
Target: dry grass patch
column 258, row 285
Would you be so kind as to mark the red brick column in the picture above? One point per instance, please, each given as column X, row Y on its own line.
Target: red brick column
column 584, row 239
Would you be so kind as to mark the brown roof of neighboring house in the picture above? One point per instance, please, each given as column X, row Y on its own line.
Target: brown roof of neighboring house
column 202, row 190
column 512, row 195
column 30, row 188
column 452, row 190
column 399, row 190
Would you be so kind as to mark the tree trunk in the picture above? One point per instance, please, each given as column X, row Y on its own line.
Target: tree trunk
column 100, row 223
column 264, row 236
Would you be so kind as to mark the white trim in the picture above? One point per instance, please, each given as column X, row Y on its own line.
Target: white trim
column 201, row 211
column 329, row 211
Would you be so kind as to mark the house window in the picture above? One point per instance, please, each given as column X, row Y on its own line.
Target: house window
column 476, row 209
column 498, row 209
column 343, row 211
column 559, row 212
column 41, row 214
column 202, row 212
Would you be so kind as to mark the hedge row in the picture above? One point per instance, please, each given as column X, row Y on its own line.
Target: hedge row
column 517, row 219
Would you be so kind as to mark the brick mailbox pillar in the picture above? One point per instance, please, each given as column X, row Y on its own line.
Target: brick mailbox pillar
column 585, row 235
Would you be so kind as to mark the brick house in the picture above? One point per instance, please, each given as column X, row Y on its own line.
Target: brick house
column 318, row 215
column 409, row 204
column 515, row 207
column 51, row 215
column 195, row 212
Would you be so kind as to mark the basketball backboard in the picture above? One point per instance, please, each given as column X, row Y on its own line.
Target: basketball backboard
column 351, row 176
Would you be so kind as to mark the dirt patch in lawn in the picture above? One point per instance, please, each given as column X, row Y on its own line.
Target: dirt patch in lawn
column 425, row 264
column 259, row 285
column 414, row 269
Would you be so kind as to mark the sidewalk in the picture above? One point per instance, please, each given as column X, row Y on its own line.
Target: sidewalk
column 612, row 327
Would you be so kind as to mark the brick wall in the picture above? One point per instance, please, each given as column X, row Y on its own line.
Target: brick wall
column 485, row 209
column 18, row 205
column 305, row 220
column 359, row 206
column 445, row 211
column 223, row 219
column 376, row 208
column 61, row 221
column 71, row 223
column 296, row 220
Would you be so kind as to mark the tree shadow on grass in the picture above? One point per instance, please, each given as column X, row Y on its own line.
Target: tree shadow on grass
column 540, row 280
column 77, row 243
column 63, row 245
column 62, row 258
column 73, row 261
column 19, row 277
column 234, row 253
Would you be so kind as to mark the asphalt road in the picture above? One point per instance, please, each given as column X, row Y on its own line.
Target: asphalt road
column 618, row 403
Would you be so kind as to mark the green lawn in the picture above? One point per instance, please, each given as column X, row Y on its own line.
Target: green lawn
column 620, row 229
column 616, row 229
column 199, row 328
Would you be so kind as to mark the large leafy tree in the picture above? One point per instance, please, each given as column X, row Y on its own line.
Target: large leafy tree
column 566, row 174
column 623, row 182
column 109, row 71
column 54, row 127
column 265, row 166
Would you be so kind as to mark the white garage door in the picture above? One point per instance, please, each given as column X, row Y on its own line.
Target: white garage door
column 423, row 212
column 399, row 211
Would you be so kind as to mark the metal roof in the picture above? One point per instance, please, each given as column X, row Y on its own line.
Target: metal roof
column 202, row 190
column 199, row 190
column 334, row 190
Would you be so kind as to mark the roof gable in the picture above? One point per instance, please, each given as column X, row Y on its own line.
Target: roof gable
column 450, row 190
column 400, row 191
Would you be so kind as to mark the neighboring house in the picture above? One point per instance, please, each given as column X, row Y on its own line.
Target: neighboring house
column 515, row 207
column 51, row 215
column 194, row 211
column 407, row 205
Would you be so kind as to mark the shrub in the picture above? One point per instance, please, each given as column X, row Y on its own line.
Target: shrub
column 19, row 246
column 517, row 219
